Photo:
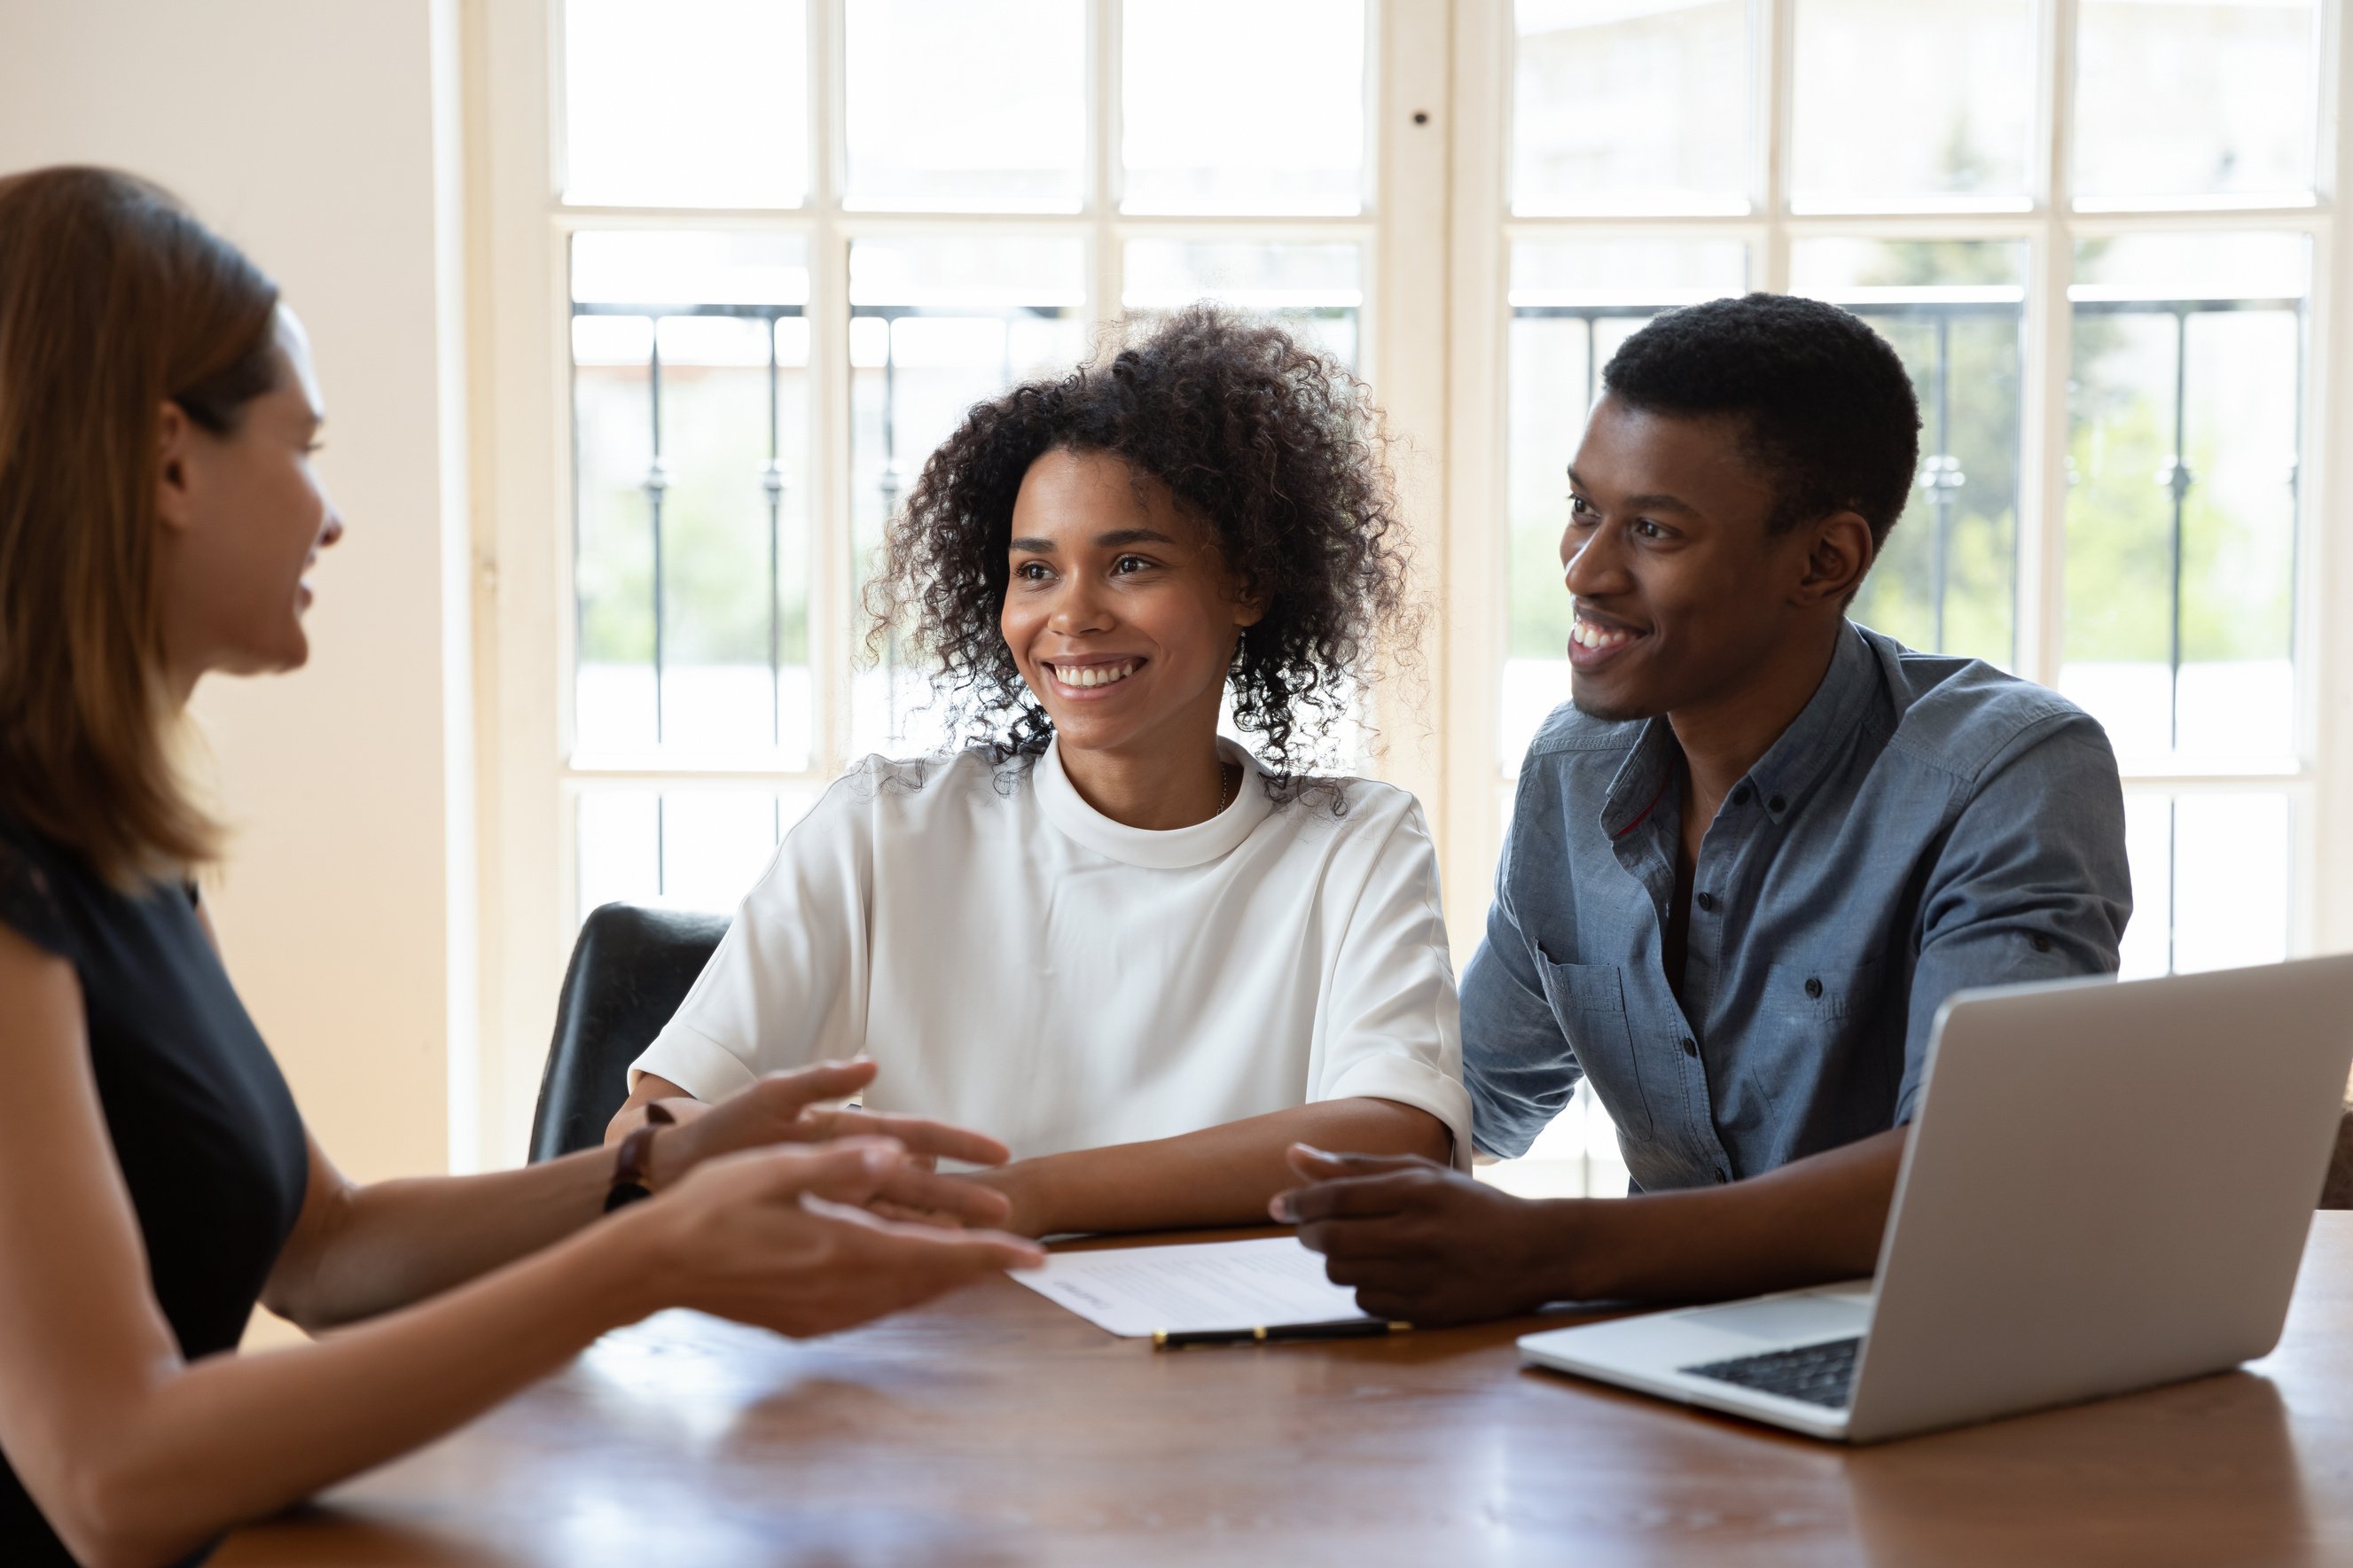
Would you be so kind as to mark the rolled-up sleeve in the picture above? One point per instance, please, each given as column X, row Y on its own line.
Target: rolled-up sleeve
column 788, row 984
column 2032, row 883
column 1517, row 1063
column 1392, row 1020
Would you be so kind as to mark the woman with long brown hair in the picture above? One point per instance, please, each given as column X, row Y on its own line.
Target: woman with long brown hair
column 158, row 514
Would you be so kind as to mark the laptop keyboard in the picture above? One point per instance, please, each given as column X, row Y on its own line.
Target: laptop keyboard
column 1818, row 1374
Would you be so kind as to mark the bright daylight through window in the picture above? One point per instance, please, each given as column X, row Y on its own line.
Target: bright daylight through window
column 805, row 234
column 984, row 237
column 2111, row 381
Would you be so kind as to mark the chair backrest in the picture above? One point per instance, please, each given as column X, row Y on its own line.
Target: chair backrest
column 2336, row 1193
column 630, row 969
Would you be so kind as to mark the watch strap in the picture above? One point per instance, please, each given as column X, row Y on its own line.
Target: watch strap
column 634, row 1159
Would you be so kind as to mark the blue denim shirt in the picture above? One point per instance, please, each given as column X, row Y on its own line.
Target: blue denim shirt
column 1925, row 824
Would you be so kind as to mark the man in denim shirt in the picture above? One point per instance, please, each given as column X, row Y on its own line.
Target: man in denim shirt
column 1749, row 860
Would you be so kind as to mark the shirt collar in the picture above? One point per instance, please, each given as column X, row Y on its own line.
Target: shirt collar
column 1159, row 849
column 1643, row 781
column 1822, row 730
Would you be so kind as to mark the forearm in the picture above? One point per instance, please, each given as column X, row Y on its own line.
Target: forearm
column 1812, row 1221
column 1220, row 1175
column 235, row 1437
column 393, row 1243
column 646, row 1089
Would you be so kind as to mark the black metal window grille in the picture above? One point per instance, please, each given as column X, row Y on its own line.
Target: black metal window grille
column 1941, row 475
column 656, row 483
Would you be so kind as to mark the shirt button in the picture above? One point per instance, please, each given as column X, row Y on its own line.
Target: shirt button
column 2041, row 943
column 1705, row 901
column 1777, row 806
column 1743, row 796
column 1691, row 1047
column 1813, row 986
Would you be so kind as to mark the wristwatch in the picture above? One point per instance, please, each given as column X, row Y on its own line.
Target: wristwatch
column 630, row 1166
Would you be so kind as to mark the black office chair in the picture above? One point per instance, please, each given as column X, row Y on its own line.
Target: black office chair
column 630, row 969
column 2336, row 1193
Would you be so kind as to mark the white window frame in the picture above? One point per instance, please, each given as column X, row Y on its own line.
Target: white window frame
column 2318, row 784
column 1436, row 232
column 529, row 788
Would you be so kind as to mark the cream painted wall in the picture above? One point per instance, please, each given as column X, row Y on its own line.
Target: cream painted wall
column 319, row 135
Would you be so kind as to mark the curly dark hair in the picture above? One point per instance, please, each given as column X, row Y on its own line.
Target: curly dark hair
column 1274, row 446
column 1827, row 407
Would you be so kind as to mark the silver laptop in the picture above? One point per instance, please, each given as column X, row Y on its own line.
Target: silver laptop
column 2107, row 1187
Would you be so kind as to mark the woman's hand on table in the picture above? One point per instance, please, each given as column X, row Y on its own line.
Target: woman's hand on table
column 790, row 1108
column 783, row 1238
column 1217, row 1176
column 1013, row 1193
column 1019, row 1187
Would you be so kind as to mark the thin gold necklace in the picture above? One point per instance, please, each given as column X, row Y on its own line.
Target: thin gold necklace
column 1230, row 783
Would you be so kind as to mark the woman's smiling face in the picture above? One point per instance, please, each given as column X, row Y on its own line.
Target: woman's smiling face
column 1119, row 608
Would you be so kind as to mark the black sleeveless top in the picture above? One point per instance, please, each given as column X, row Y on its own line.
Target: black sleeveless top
column 207, row 1134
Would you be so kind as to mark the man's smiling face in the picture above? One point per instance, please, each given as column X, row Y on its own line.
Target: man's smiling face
column 1682, row 595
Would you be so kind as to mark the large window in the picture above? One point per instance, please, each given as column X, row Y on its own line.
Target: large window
column 968, row 202
column 2088, row 229
column 751, row 260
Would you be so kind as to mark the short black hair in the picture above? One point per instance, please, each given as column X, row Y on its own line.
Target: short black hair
column 1826, row 405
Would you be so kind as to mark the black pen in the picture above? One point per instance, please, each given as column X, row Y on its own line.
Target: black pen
column 1344, row 1329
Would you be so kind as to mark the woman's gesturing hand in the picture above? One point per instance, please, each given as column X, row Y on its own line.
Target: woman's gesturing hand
column 781, row 1237
column 784, row 1108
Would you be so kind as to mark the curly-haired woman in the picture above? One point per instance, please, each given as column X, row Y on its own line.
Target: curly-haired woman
column 1147, row 960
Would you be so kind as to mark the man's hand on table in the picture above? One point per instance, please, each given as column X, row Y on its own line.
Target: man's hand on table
column 1424, row 1244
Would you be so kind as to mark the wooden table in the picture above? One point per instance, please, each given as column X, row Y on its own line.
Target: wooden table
column 996, row 1429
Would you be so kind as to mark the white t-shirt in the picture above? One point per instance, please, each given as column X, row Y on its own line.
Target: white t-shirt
column 1022, row 964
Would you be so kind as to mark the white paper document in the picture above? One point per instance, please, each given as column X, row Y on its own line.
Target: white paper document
column 1136, row 1291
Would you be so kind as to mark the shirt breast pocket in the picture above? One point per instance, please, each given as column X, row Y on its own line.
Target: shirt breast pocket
column 1823, row 993
column 1823, row 1019
column 1590, row 1001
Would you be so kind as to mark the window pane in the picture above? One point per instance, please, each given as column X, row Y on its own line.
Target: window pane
column 2230, row 880
column 1314, row 290
column 613, row 563
column 691, row 560
column 620, row 847
column 1947, row 581
column 2181, row 510
column 660, row 266
column 1947, row 88
column 935, row 326
column 1575, row 1157
column 715, row 844
column 2210, row 881
column 2180, row 99
column 1630, row 107
column 697, row 849
column 690, row 103
column 2148, row 948
column 1573, row 303
column 955, row 106
column 1235, row 106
